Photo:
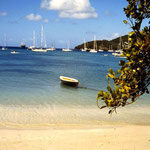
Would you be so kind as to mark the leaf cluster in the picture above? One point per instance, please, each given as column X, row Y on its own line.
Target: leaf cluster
column 133, row 77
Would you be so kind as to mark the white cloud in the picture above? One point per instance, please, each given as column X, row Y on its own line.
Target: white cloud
column 116, row 35
column 33, row 17
column 80, row 9
column 45, row 20
column 3, row 13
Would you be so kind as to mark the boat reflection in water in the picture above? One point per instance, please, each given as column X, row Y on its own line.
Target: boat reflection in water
column 69, row 81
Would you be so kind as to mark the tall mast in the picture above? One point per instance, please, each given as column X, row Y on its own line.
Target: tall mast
column 45, row 44
column 96, row 46
column 120, row 42
column 84, row 44
column 94, row 42
column 5, row 40
column 68, row 44
column 42, row 36
column 34, row 38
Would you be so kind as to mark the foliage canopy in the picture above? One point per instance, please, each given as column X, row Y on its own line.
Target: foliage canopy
column 133, row 77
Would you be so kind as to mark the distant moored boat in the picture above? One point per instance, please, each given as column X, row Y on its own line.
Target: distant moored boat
column 51, row 49
column 67, row 49
column 14, row 52
column 3, row 48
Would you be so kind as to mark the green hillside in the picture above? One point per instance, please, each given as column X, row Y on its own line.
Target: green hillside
column 105, row 44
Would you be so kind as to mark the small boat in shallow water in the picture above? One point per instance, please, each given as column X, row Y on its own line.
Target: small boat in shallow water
column 69, row 81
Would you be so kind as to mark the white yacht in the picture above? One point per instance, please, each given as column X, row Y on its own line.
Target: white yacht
column 32, row 47
column 85, row 48
column 51, row 49
column 93, row 51
column 5, row 41
column 119, row 53
column 100, row 48
column 110, row 50
column 41, row 49
column 4, row 48
column 14, row 52
column 94, row 46
column 67, row 49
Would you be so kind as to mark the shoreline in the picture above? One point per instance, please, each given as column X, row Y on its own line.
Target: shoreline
column 57, row 127
column 45, row 116
column 77, row 137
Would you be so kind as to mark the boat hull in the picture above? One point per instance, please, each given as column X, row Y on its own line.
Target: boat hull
column 69, row 81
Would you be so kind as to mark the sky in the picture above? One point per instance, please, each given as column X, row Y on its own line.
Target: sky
column 62, row 20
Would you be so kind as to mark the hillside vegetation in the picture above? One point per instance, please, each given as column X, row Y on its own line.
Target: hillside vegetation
column 105, row 44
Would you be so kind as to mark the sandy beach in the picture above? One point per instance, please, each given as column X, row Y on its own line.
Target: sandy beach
column 83, row 137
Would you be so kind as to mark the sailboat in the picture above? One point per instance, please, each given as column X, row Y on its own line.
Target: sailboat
column 51, row 48
column 41, row 48
column 110, row 48
column 94, row 46
column 32, row 47
column 67, row 49
column 119, row 53
column 100, row 48
column 14, row 52
column 85, row 48
column 5, row 41
column 3, row 48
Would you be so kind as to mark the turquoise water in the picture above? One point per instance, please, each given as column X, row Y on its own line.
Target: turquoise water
column 31, row 92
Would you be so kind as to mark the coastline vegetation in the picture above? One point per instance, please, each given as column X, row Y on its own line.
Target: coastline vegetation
column 133, row 78
column 105, row 44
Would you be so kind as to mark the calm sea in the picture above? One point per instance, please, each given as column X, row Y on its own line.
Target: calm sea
column 32, row 94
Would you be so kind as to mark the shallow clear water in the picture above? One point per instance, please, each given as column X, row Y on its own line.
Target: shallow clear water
column 31, row 92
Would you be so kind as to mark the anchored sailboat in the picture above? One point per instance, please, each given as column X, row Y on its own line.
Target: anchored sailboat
column 52, row 48
column 119, row 52
column 94, row 50
column 5, row 41
column 85, row 47
column 67, row 49
column 41, row 48
column 32, row 47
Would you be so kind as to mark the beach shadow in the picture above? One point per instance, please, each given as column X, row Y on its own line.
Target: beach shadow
column 87, row 88
column 68, row 86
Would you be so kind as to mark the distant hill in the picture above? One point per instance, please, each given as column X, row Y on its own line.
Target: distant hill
column 105, row 44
